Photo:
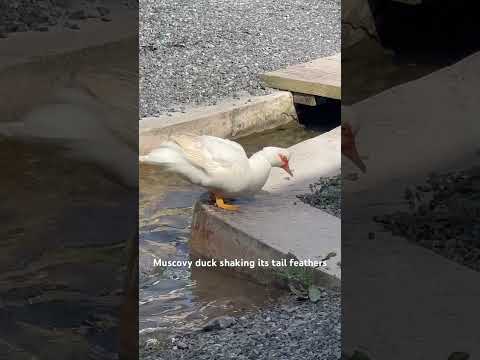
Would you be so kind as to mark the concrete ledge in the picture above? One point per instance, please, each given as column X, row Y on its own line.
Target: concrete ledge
column 310, row 159
column 269, row 227
column 275, row 223
column 230, row 119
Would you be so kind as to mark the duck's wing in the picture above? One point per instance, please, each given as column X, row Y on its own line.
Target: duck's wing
column 210, row 153
column 173, row 158
column 224, row 151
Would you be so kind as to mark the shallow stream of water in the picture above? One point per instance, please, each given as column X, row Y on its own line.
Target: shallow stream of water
column 177, row 299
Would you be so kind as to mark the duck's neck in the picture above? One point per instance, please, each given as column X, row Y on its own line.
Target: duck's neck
column 260, row 170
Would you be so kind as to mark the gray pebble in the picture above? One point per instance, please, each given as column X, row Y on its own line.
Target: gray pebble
column 219, row 323
column 29, row 15
column 310, row 331
column 326, row 194
column 442, row 215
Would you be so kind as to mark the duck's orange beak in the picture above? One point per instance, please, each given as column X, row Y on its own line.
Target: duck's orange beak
column 352, row 154
column 286, row 167
column 349, row 148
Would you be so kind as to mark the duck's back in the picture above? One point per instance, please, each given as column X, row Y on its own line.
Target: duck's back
column 224, row 162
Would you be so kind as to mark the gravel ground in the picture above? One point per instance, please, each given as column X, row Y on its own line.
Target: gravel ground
column 202, row 51
column 444, row 216
column 292, row 330
column 44, row 15
column 326, row 194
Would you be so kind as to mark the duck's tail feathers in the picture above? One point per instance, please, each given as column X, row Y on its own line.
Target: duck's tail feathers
column 165, row 155
column 170, row 158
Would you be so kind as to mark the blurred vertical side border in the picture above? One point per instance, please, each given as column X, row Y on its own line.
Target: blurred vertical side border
column 410, row 225
column 69, row 159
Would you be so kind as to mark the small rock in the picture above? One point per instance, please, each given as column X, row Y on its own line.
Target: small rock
column 72, row 26
column 314, row 294
column 219, row 323
column 151, row 343
column 290, row 309
column 351, row 177
column 102, row 10
column 92, row 15
column 78, row 15
column 181, row 345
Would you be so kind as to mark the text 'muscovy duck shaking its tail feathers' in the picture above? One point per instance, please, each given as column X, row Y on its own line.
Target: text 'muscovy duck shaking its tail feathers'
column 350, row 128
column 219, row 165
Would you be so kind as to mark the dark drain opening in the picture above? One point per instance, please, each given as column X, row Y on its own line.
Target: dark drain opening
column 437, row 31
column 323, row 117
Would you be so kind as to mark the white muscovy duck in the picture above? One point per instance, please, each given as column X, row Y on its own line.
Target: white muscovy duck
column 220, row 165
column 350, row 128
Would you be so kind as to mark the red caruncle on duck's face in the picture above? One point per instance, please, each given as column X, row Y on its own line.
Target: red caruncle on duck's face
column 285, row 164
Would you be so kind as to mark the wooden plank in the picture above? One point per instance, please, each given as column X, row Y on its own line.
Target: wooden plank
column 320, row 77
column 304, row 99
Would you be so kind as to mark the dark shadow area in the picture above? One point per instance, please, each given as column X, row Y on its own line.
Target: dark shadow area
column 323, row 117
column 413, row 41
column 445, row 30
column 410, row 255
column 69, row 159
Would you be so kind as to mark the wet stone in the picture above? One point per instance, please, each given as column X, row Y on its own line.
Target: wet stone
column 219, row 323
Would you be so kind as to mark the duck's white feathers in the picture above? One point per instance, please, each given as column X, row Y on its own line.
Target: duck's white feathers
column 210, row 153
column 170, row 156
column 218, row 164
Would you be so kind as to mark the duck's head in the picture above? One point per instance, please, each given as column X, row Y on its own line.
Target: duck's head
column 278, row 157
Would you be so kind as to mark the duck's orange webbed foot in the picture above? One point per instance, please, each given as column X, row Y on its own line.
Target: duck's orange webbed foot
column 221, row 204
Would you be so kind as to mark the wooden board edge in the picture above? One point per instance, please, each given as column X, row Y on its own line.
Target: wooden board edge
column 300, row 86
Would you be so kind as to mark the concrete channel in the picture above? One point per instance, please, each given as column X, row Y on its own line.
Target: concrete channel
column 229, row 119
